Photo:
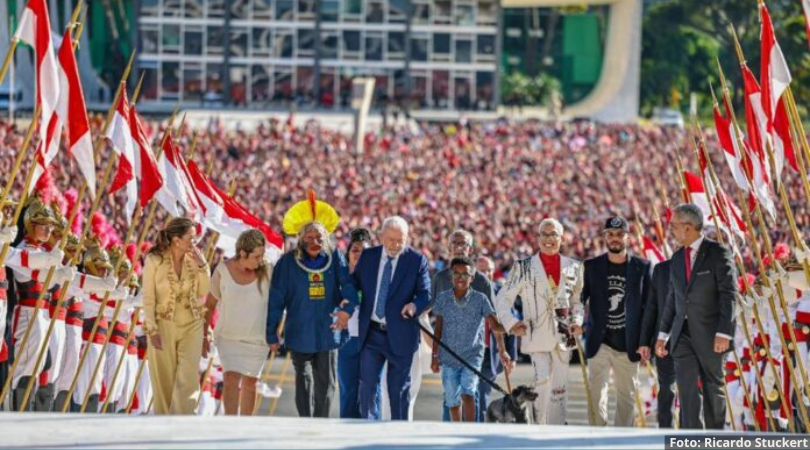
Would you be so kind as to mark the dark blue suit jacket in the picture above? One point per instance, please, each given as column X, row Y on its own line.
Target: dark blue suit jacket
column 409, row 284
column 594, row 293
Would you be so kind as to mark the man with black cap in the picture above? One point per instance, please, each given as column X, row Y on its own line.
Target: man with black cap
column 616, row 288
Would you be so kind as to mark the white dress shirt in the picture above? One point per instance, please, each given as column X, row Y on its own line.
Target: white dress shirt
column 383, row 260
column 693, row 252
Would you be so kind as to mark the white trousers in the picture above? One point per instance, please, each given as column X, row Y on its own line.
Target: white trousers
column 56, row 350
column 114, row 354
column 73, row 345
column 625, row 379
column 551, row 385
column 83, row 383
column 144, row 389
column 23, row 316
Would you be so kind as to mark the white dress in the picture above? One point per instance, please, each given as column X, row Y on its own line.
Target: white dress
column 240, row 331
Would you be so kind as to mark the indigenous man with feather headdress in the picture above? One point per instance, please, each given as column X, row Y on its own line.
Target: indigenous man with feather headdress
column 311, row 283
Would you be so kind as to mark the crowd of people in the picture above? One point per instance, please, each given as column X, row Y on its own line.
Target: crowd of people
column 518, row 195
column 497, row 178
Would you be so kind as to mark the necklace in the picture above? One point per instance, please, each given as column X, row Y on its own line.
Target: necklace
column 315, row 271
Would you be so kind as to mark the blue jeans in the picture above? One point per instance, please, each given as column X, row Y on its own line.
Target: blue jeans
column 458, row 381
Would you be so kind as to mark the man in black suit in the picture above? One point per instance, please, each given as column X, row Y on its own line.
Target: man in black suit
column 616, row 287
column 649, row 334
column 698, row 319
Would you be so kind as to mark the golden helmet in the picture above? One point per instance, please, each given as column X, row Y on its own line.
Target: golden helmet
column 133, row 281
column 72, row 245
column 119, row 259
column 40, row 214
column 96, row 259
column 61, row 221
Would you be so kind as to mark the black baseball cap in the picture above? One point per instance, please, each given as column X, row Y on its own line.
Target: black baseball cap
column 616, row 223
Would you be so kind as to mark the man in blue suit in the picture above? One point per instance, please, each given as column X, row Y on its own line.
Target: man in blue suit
column 615, row 290
column 395, row 286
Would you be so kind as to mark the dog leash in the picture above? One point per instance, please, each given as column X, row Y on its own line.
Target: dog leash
column 477, row 372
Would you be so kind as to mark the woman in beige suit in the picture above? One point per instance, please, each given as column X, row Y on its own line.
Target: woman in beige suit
column 175, row 282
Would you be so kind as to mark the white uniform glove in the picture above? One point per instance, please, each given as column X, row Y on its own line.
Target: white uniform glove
column 64, row 274
column 802, row 254
column 40, row 260
column 7, row 234
column 109, row 283
column 120, row 293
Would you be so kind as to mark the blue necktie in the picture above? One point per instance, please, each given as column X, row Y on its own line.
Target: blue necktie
column 385, row 284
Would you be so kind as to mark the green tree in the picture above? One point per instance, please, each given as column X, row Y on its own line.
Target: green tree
column 683, row 38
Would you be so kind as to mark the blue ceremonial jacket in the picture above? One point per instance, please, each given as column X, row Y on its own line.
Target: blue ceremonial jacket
column 309, row 300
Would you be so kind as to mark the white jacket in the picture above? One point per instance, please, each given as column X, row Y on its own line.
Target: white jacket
column 528, row 280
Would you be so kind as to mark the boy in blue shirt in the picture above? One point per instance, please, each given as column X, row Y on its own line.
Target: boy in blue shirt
column 460, row 314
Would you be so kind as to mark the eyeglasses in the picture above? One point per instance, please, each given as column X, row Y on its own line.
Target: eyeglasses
column 460, row 244
column 549, row 235
column 461, row 275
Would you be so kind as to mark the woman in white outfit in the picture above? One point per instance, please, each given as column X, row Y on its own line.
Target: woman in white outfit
column 240, row 287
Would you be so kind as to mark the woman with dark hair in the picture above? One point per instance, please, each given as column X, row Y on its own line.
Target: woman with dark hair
column 175, row 281
column 240, row 287
column 349, row 353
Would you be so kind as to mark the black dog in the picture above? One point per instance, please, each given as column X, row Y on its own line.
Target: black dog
column 513, row 408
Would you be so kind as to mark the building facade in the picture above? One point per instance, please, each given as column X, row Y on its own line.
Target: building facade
column 423, row 54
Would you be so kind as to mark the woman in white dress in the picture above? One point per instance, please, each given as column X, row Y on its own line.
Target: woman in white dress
column 240, row 288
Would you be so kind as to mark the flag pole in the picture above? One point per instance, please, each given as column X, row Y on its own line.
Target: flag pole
column 121, row 360
column 96, row 204
column 204, row 379
column 138, row 377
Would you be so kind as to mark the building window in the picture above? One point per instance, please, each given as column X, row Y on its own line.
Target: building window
column 150, row 39
column 215, row 40
column 464, row 15
column 216, row 9
column 441, row 43
column 396, row 45
column 330, row 10
column 484, row 89
column 262, row 42
column 485, row 47
column 170, row 41
column 398, row 11
column 442, row 12
column 172, row 9
column 239, row 84
column 192, row 81
column 283, row 44
column 419, row 47
column 284, row 10
column 240, row 9
column 375, row 12
column 441, row 88
column 487, row 13
column 306, row 10
column 259, row 84
column 463, row 51
column 238, row 42
column 262, row 9
column 327, row 85
column 193, row 40
column 150, row 8
column 329, row 44
column 213, row 82
column 193, row 9
column 170, row 80
column 304, row 86
column 374, row 48
column 421, row 13
column 283, row 83
column 306, row 42
column 352, row 9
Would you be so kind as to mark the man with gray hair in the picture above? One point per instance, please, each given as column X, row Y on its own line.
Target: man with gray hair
column 395, row 285
column 549, row 287
column 698, row 319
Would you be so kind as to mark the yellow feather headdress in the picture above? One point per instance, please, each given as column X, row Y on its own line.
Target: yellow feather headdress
column 308, row 211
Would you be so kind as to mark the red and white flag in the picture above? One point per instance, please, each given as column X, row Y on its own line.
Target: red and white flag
column 651, row 252
column 773, row 69
column 72, row 111
column 728, row 137
column 120, row 137
column 146, row 167
column 697, row 194
column 757, row 133
column 35, row 30
column 177, row 188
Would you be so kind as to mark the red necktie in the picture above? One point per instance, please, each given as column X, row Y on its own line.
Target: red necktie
column 688, row 264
